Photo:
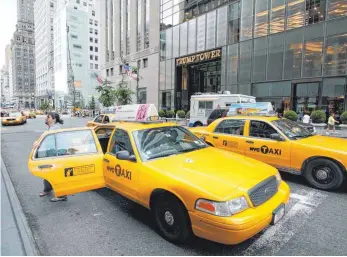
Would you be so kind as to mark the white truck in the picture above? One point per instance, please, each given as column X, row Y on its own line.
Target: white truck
column 201, row 105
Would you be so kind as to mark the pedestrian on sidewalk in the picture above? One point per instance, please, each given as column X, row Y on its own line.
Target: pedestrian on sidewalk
column 306, row 118
column 51, row 120
column 331, row 124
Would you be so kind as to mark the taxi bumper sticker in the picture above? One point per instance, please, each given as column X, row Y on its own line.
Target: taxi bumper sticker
column 80, row 170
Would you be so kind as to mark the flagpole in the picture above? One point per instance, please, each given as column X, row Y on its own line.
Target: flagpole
column 137, row 83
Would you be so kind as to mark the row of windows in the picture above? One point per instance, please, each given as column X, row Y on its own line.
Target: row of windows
column 91, row 22
column 94, row 65
column 95, row 40
column 95, row 31
column 96, row 58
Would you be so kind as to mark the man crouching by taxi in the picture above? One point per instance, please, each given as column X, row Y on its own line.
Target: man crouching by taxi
column 189, row 187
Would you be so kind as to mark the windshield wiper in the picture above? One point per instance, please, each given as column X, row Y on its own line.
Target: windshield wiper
column 160, row 155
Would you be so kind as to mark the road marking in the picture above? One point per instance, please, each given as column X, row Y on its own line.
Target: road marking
column 299, row 208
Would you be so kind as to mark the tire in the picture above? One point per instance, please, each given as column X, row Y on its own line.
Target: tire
column 324, row 174
column 197, row 124
column 171, row 219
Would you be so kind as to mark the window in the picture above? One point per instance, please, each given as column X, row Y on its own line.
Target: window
column 231, row 127
column 121, row 142
column 47, row 147
column 75, row 7
column 91, row 57
column 73, row 36
column 145, row 63
column 90, row 21
column 315, row 11
column 245, row 61
column 96, row 58
column 108, row 72
column 222, row 20
column 191, row 37
column 91, row 48
column 246, row 19
column 91, row 66
column 295, row 14
column 333, row 89
column 93, row 13
column 201, row 34
column 277, row 13
column 111, row 72
column 51, row 5
column 261, row 129
column 96, row 66
column 96, row 41
column 211, row 30
column 293, row 53
column 206, row 105
column 75, row 142
column 91, row 30
column 337, row 8
column 261, row 18
column 99, row 118
column 77, row 46
column 259, row 59
column 139, row 64
column 78, row 1
column 275, row 57
column 84, row 3
column 96, row 32
column 95, row 23
column 91, row 40
column 96, row 49
column 142, row 96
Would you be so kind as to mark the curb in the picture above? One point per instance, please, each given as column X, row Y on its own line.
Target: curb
column 24, row 230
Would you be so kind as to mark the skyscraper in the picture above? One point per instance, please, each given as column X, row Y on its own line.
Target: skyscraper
column 23, row 57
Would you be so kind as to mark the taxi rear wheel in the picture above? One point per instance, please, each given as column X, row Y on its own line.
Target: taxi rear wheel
column 172, row 219
column 324, row 174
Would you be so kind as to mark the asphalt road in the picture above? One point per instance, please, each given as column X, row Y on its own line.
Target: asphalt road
column 102, row 222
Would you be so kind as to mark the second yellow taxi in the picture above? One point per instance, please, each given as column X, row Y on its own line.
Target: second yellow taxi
column 101, row 119
column 189, row 187
column 283, row 144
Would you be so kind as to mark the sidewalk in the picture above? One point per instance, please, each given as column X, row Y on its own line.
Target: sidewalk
column 16, row 237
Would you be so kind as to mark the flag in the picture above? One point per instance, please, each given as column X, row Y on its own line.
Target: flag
column 98, row 78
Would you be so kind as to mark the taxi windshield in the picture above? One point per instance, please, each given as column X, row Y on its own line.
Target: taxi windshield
column 165, row 141
column 291, row 129
column 16, row 114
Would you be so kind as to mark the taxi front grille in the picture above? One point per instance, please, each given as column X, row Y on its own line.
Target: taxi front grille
column 263, row 191
column 10, row 119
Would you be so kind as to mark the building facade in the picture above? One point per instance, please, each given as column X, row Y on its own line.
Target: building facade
column 73, row 50
column 292, row 53
column 44, row 55
column 130, row 37
column 23, row 56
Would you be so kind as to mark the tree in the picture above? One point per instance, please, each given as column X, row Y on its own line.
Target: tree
column 92, row 103
column 44, row 106
column 123, row 93
column 108, row 94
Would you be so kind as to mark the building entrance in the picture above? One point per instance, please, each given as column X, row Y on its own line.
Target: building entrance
column 202, row 76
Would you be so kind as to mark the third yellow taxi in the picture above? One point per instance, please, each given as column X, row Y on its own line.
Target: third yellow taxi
column 190, row 187
column 101, row 119
column 283, row 144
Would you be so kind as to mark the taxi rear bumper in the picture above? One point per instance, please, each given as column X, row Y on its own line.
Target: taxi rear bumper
column 241, row 226
column 11, row 122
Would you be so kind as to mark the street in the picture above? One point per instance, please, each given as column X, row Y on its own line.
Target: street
column 102, row 222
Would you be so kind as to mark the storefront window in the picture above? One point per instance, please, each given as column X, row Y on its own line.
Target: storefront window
column 211, row 30
column 168, row 75
column 191, row 36
column 259, row 59
column 176, row 41
column 222, row 26
column 333, row 94
column 245, row 61
column 306, row 97
column 277, row 13
column 183, row 39
column 232, row 64
column 295, row 13
column 315, row 11
column 234, row 23
column 201, row 33
column 169, row 43
column 261, row 18
column 275, row 57
column 166, row 100
column 293, row 54
column 246, row 19
column 337, row 8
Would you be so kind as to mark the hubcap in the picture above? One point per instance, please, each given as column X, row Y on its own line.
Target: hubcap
column 322, row 174
column 169, row 218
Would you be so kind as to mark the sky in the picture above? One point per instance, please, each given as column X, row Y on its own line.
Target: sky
column 8, row 20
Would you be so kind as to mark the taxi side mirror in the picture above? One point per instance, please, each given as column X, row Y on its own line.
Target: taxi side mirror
column 125, row 155
column 276, row 137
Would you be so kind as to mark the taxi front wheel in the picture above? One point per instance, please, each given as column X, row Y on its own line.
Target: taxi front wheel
column 172, row 219
column 324, row 174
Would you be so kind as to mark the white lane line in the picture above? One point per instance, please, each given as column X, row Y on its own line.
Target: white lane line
column 300, row 207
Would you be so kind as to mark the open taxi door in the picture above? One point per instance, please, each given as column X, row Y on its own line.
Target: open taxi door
column 70, row 159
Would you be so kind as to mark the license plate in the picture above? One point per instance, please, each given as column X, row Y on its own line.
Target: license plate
column 278, row 214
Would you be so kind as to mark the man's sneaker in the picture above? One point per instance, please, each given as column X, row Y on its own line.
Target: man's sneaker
column 57, row 199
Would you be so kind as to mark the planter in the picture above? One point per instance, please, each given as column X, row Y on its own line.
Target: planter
column 320, row 127
column 341, row 130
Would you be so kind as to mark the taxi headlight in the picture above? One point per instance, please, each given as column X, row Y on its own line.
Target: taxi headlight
column 222, row 209
column 278, row 178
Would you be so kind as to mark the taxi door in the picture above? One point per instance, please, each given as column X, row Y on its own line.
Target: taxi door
column 260, row 146
column 70, row 159
column 121, row 175
column 228, row 135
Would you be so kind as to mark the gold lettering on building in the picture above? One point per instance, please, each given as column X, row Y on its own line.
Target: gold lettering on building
column 199, row 57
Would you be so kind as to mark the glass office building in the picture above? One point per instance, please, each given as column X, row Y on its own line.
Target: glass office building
column 292, row 53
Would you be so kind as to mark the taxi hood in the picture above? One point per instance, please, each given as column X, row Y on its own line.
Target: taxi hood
column 333, row 144
column 215, row 173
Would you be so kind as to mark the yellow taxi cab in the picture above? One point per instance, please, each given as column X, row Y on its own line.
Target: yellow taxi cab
column 101, row 119
column 29, row 115
column 14, row 118
column 283, row 144
column 190, row 187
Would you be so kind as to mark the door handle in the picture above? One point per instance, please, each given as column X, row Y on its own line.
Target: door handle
column 106, row 160
column 215, row 137
column 250, row 142
column 47, row 166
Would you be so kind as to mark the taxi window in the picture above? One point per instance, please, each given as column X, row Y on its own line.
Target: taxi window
column 231, row 127
column 47, row 147
column 75, row 142
column 98, row 118
column 104, row 131
column 121, row 142
column 261, row 129
column 107, row 119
